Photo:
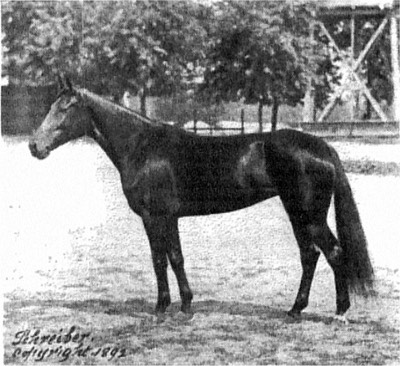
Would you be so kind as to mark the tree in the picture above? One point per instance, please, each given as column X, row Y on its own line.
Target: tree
column 144, row 45
column 263, row 54
column 157, row 42
column 40, row 39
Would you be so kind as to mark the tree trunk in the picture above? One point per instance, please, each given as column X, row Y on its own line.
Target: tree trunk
column 242, row 121
column 274, row 115
column 142, row 96
column 260, row 114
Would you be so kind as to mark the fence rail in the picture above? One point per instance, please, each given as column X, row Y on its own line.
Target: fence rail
column 215, row 131
column 325, row 129
column 353, row 129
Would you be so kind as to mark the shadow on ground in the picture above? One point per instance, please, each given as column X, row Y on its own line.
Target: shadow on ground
column 138, row 308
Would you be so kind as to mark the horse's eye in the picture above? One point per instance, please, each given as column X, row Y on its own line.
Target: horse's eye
column 68, row 103
column 62, row 127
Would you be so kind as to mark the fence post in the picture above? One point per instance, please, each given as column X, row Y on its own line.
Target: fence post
column 194, row 121
column 242, row 121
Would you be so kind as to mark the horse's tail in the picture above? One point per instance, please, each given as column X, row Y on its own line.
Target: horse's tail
column 357, row 263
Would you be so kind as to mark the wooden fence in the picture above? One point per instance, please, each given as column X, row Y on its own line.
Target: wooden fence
column 23, row 109
column 343, row 129
column 337, row 129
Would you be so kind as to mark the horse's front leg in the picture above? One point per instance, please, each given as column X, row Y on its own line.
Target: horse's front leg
column 164, row 240
column 175, row 256
column 157, row 232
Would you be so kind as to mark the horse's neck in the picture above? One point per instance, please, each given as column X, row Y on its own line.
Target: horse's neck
column 114, row 127
column 106, row 146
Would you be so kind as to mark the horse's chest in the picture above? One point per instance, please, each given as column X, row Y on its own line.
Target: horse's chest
column 151, row 188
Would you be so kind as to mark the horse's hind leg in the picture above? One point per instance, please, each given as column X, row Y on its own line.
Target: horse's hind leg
column 334, row 255
column 311, row 237
column 309, row 257
column 306, row 195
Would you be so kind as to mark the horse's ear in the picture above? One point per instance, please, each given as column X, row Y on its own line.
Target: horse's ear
column 68, row 84
column 63, row 82
column 60, row 82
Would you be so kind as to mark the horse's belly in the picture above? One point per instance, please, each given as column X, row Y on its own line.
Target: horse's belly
column 193, row 205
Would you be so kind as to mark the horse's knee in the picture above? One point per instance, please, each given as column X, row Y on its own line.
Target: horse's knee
column 316, row 231
column 335, row 256
column 309, row 256
column 176, row 260
column 323, row 240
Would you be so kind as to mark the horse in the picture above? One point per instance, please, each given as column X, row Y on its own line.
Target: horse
column 168, row 173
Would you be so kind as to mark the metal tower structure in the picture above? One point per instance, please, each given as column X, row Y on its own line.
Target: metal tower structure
column 357, row 13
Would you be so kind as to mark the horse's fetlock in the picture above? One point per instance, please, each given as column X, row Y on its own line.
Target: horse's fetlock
column 342, row 305
column 300, row 304
column 187, row 294
column 164, row 300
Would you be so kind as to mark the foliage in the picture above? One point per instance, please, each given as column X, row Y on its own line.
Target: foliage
column 41, row 39
column 111, row 45
column 255, row 51
column 263, row 54
column 183, row 107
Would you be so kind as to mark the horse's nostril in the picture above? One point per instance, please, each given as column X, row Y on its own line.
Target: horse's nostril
column 32, row 147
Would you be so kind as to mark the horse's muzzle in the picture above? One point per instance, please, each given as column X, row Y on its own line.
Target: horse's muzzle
column 38, row 153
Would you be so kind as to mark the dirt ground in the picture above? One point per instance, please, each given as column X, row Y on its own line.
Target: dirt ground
column 79, row 287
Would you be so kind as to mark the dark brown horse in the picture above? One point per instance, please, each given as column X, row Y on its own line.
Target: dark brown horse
column 168, row 173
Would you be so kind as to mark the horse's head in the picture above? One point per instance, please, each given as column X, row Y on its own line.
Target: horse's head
column 68, row 119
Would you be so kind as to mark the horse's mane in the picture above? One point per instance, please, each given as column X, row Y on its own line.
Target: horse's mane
column 116, row 107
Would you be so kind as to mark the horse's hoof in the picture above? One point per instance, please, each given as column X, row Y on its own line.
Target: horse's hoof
column 293, row 316
column 181, row 316
column 187, row 309
column 294, row 313
column 341, row 319
column 161, row 317
column 161, row 308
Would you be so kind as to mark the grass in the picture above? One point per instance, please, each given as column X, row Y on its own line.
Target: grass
column 218, row 333
column 371, row 167
column 92, row 270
